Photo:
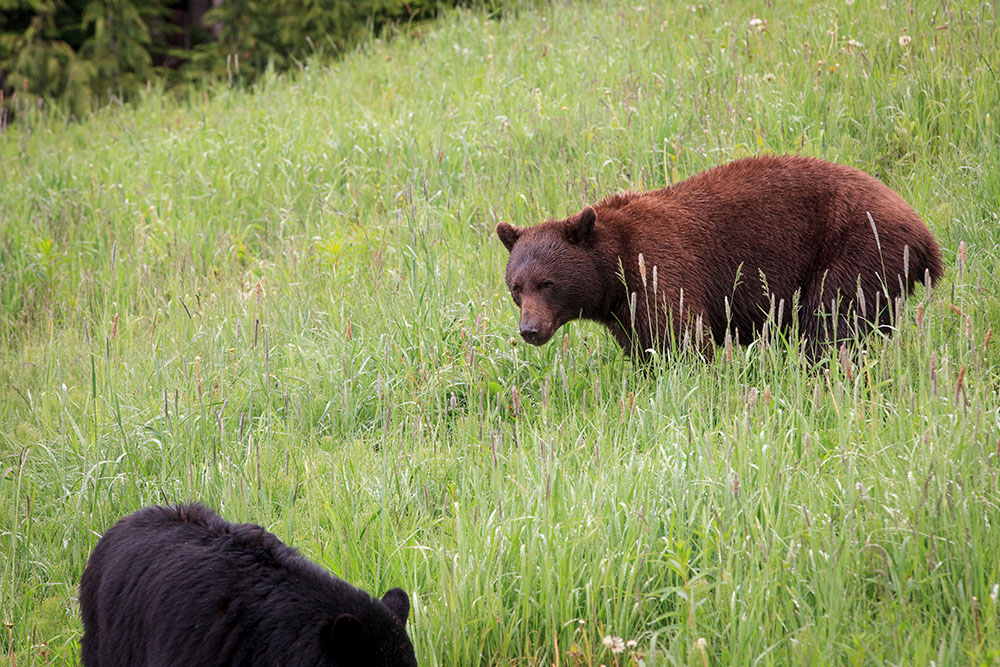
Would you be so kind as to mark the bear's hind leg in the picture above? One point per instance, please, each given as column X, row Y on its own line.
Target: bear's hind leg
column 825, row 323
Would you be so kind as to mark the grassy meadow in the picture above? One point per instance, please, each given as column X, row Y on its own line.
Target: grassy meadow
column 288, row 303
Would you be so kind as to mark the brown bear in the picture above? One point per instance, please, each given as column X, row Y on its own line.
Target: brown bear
column 181, row 586
column 719, row 252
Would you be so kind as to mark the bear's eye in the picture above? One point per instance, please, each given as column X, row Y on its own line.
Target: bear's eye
column 545, row 284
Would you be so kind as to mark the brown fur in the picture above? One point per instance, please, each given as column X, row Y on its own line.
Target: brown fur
column 800, row 222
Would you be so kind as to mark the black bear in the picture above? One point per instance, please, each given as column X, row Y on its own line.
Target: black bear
column 720, row 251
column 180, row 586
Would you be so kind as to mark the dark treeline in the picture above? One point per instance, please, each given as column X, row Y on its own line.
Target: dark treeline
column 75, row 54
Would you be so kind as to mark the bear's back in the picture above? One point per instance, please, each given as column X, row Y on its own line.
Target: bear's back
column 781, row 194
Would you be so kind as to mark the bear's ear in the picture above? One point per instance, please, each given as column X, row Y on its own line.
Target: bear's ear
column 582, row 228
column 508, row 234
column 398, row 604
column 345, row 639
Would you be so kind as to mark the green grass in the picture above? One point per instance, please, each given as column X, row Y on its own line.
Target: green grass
column 289, row 303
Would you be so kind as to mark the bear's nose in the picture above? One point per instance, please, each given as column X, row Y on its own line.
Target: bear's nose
column 530, row 334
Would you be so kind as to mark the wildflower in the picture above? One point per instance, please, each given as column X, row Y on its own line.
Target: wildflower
column 904, row 40
column 632, row 643
column 615, row 644
column 849, row 2
column 758, row 23
column 854, row 44
column 769, row 77
column 994, row 593
column 702, row 644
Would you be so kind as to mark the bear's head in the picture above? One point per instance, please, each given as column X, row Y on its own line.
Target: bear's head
column 552, row 273
column 373, row 637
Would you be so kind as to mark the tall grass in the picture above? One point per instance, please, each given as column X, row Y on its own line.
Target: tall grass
column 288, row 303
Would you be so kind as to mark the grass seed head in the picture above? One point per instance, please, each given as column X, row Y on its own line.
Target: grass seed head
column 614, row 644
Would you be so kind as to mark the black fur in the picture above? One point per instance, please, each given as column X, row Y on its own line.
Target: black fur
column 180, row 586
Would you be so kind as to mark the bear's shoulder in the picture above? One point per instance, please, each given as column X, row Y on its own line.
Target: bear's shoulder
column 619, row 201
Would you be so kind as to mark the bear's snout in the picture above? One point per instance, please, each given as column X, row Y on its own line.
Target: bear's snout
column 536, row 325
column 531, row 334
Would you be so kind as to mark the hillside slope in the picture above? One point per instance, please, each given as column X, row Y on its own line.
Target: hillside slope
column 288, row 303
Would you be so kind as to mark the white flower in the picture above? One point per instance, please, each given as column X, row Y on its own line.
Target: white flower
column 632, row 643
column 994, row 593
column 702, row 644
column 616, row 644
column 769, row 77
column 853, row 43
column 905, row 40
column 754, row 22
